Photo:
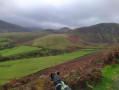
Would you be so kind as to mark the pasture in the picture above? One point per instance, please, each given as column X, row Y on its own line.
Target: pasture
column 6, row 43
column 18, row 50
column 24, row 67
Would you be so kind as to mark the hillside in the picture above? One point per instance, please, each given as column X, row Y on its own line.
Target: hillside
column 6, row 43
column 35, row 28
column 65, row 29
column 20, row 37
column 8, row 27
column 60, row 42
column 18, row 50
column 100, row 33
column 54, row 41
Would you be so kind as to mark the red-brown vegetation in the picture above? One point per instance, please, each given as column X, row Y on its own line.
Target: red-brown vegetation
column 18, row 41
column 75, row 40
column 29, row 42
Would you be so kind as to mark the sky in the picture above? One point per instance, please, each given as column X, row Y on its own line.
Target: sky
column 59, row 13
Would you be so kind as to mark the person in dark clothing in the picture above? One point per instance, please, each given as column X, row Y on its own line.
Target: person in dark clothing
column 59, row 84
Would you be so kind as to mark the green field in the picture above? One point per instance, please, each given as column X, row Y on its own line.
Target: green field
column 6, row 43
column 24, row 67
column 5, row 40
column 18, row 50
column 55, row 41
column 110, row 80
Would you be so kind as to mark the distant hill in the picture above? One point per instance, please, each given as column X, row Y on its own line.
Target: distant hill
column 50, row 31
column 99, row 33
column 35, row 28
column 54, row 31
column 8, row 27
column 22, row 37
column 65, row 29
column 54, row 41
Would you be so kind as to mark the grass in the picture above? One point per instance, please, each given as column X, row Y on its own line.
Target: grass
column 5, row 40
column 18, row 50
column 25, row 36
column 24, row 67
column 110, row 80
column 55, row 41
column 6, row 43
column 60, row 41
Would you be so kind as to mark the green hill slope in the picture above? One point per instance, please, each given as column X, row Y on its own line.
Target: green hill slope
column 27, row 36
column 6, row 43
column 18, row 50
column 100, row 33
column 54, row 41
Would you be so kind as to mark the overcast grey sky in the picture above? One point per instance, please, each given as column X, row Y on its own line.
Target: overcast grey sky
column 59, row 13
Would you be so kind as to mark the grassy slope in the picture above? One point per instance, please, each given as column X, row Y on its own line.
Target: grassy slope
column 25, row 36
column 5, row 40
column 6, row 43
column 99, row 33
column 55, row 41
column 21, row 68
column 17, row 50
column 110, row 81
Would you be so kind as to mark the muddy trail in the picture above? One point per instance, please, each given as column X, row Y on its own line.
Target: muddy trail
column 71, row 65
column 81, row 62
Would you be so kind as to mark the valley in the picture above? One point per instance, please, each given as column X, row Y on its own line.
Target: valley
column 86, row 52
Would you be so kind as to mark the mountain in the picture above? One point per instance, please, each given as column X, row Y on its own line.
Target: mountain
column 53, row 31
column 65, row 29
column 99, row 33
column 8, row 27
column 35, row 28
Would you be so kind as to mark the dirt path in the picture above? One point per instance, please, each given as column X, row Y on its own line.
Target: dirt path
column 71, row 65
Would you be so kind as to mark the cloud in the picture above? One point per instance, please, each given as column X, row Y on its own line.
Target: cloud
column 59, row 13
